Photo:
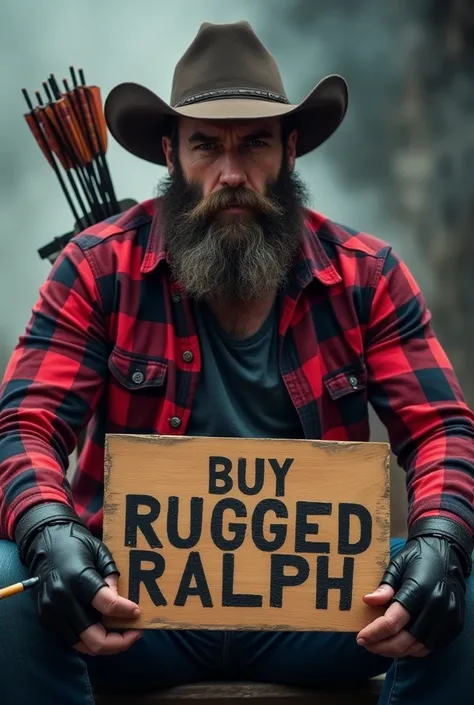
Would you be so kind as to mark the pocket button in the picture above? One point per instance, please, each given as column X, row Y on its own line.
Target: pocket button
column 353, row 381
column 138, row 377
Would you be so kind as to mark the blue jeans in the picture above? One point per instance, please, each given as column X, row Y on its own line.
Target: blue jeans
column 35, row 668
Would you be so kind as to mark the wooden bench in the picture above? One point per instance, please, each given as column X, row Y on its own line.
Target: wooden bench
column 230, row 693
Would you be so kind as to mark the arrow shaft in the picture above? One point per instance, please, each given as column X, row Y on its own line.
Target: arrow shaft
column 35, row 127
column 92, row 96
column 54, row 130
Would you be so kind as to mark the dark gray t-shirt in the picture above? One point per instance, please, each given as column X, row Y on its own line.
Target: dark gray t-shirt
column 241, row 392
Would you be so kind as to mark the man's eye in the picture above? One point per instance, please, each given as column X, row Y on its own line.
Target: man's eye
column 206, row 146
column 257, row 144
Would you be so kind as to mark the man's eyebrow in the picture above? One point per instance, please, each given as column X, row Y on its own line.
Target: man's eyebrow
column 258, row 135
column 254, row 135
column 202, row 137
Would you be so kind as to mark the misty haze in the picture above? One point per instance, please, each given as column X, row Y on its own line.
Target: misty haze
column 399, row 167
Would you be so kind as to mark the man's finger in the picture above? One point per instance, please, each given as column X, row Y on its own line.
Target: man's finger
column 108, row 602
column 395, row 647
column 129, row 639
column 82, row 648
column 93, row 638
column 381, row 596
column 115, row 643
column 96, row 640
column 391, row 623
column 417, row 649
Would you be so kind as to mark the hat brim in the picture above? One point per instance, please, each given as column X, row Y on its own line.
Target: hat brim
column 137, row 117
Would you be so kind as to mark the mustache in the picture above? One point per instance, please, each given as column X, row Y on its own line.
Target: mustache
column 240, row 197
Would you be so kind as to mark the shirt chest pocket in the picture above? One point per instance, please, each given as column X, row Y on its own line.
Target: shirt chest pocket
column 345, row 402
column 136, row 392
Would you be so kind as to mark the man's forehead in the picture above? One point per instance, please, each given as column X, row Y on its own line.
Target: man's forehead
column 217, row 128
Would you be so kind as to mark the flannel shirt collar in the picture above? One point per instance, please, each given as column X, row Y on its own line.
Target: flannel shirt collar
column 312, row 262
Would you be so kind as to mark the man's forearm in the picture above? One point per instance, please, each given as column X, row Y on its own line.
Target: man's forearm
column 30, row 477
column 440, row 474
column 52, row 385
column 415, row 392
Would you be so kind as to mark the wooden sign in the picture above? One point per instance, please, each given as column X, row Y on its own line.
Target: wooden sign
column 232, row 533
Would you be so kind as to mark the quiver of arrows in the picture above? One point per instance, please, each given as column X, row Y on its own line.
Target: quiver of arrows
column 69, row 127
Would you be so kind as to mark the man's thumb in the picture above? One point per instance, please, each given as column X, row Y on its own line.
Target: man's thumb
column 383, row 594
column 112, row 581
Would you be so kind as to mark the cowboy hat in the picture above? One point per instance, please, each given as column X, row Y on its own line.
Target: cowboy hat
column 225, row 74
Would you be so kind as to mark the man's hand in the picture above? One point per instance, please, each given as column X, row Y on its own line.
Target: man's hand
column 95, row 640
column 387, row 635
column 78, row 580
column 425, row 584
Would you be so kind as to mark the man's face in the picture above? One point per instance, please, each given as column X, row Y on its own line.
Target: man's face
column 231, row 207
column 231, row 154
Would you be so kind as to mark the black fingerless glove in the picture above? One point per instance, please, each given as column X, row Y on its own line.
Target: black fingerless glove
column 71, row 563
column 428, row 576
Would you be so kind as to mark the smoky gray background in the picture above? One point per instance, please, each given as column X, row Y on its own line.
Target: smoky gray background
column 399, row 167
column 117, row 41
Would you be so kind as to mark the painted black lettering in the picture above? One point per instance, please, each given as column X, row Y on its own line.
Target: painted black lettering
column 346, row 510
column 229, row 598
column 281, row 472
column 279, row 531
column 324, row 583
column 134, row 520
column 278, row 579
column 219, row 472
column 193, row 570
column 217, row 524
column 138, row 575
column 303, row 527
column 195, row 523
column 242, row 469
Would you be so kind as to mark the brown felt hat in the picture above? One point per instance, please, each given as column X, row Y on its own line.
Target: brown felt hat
column 225, row 74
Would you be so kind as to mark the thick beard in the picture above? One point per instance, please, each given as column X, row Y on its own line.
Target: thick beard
column 235, row 258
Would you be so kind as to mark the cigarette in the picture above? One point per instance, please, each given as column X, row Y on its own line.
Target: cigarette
column 18, row 587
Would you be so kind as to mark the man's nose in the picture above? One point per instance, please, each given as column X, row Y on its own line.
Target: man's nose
column 232, row 172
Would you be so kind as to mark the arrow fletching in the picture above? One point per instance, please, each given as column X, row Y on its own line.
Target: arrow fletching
column 69, row 128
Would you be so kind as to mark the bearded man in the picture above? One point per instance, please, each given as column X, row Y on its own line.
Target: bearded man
column 226, row 307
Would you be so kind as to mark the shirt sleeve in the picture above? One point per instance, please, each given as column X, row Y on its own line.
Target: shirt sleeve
column 51, row 388
column 415, row 392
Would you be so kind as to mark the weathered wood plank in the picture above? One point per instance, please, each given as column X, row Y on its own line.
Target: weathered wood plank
column 231, row 693
column 219, row 549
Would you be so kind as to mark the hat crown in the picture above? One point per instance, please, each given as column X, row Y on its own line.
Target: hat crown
column 225, row 56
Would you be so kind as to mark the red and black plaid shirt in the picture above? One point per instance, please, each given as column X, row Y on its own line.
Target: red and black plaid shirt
column 112, row 345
